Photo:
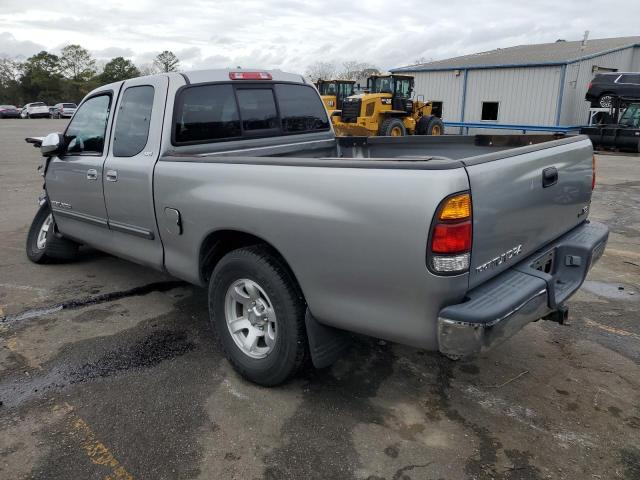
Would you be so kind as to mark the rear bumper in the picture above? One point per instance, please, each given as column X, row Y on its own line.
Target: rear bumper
column 530, row 290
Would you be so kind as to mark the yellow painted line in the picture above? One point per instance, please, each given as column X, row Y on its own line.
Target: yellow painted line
column 615, row 331
column 97, row 451
column 12, row 344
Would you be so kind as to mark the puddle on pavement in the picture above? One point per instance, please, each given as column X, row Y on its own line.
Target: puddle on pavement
column 613, row 291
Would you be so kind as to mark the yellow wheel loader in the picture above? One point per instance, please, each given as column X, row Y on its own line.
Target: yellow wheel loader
column 333, row 93
column 386, row 109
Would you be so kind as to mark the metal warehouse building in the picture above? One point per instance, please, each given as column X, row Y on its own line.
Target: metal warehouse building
column 524, row 86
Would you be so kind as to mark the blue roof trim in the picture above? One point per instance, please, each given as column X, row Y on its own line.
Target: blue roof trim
column 511, row 65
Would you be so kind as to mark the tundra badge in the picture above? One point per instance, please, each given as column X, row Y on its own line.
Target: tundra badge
column 500, row 259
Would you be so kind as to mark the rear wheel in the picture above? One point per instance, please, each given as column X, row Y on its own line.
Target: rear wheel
column 392, row 127
column 605, row 100
column 430, row 125
column 43, row 244
column 257, row 310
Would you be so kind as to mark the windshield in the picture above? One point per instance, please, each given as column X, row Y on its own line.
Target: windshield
column 380, row 85
column 38, row 104
column 327, row 88
column 386, row 85
column 68, row 105
column 631, row 116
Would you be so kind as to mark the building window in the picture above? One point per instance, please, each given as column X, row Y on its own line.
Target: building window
column 489, row 111
column 436, row 109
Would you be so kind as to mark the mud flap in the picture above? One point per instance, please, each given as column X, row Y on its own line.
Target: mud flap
column 326, row 344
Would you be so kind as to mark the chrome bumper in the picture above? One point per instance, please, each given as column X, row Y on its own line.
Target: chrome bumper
column 497, row 309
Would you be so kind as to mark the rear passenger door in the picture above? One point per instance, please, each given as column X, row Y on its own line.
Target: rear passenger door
column 128, row 170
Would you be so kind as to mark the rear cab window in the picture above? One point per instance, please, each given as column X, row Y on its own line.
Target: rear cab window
column 216, row 112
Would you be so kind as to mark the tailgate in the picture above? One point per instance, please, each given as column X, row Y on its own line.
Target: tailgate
column 524, row 198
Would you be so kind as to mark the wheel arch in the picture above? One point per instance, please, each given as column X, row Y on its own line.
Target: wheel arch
column 220, row 242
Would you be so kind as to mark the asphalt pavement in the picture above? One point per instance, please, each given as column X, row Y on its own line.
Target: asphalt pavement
column 109, row 370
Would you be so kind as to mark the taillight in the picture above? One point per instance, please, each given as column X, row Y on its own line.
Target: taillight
column 250, row 76
column 451, row 236
column 589, row 86
column 593, row 172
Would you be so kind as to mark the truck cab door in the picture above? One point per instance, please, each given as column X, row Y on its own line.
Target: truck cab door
column 74, row 179
column 128, row 171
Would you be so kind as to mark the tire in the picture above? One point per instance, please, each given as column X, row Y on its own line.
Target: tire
column 261, row 282
column 430, row 125
column 392, row 127
column 53, row 248
column 605, row 100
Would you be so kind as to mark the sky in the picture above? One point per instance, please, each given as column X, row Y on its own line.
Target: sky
column 291, row 34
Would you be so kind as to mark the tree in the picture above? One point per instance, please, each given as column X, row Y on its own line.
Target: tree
column 9, row 84
column 321, row 71
column 358, row 71
column 40, row 79
column 166, row 62
column 117, row 69
column 76, row 63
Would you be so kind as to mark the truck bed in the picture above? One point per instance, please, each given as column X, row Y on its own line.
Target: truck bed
column 412, row 152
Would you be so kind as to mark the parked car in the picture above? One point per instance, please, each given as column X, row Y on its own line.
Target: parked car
column 235, row 181
column 9, row 111
column 606, row 86
column 35, row 110
column 63, row 110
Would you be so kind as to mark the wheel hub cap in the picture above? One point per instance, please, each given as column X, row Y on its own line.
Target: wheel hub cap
column 41, row 242
column 250, row 318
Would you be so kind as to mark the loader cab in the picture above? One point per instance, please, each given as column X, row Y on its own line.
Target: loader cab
column 333, row 92
column 400, row 87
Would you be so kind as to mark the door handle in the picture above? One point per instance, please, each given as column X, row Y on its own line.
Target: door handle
column 92, row 174
column 549, row 177
column 111, row 176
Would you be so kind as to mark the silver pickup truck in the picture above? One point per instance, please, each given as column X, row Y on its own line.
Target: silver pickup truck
column 235, row 180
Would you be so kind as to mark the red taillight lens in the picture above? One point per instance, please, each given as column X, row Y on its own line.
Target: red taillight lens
column 451, row 238
column 250, row 76
column 593, row 174
column 589, row 86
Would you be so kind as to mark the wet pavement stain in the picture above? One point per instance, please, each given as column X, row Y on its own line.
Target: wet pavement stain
column 317, row 438
column 630, row 460
column 157, row 347
column 92, row 300
column 117, row 407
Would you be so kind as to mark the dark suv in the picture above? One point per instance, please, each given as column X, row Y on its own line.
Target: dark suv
column 605, row 86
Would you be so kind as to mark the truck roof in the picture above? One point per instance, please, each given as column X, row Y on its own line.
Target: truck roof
column 222, row 74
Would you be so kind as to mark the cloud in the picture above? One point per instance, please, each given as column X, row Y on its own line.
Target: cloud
column 291, row 34
column 11, row 47
column 111, row 52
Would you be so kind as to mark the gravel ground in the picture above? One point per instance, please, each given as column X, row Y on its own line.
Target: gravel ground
column 131, row 385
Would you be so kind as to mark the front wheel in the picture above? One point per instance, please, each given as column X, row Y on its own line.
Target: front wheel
column 393, row 127
column 43, row 244
column 257, row 310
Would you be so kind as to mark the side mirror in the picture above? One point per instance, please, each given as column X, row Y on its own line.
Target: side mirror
column 53, row 144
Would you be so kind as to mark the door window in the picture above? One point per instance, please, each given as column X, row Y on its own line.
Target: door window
column 634, row 78
column 85, row 133
column 132, row 124
column 206, row 113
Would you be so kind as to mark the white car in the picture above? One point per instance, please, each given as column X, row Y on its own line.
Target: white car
column 62, row 110
column 35, row 110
